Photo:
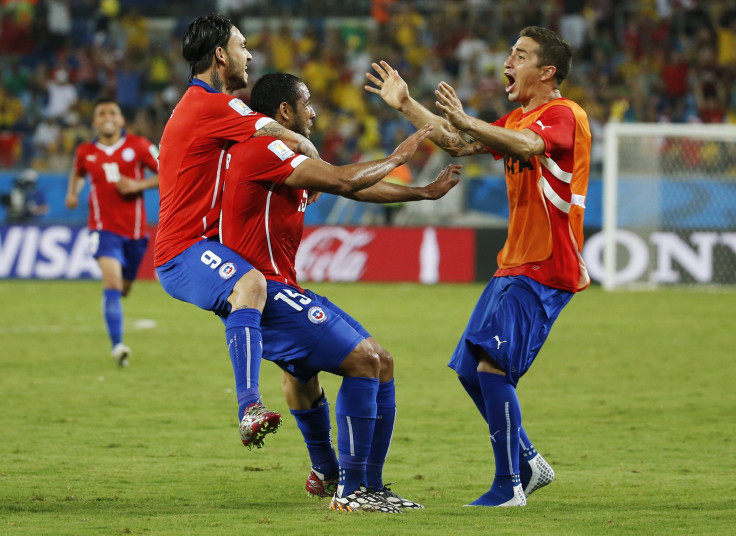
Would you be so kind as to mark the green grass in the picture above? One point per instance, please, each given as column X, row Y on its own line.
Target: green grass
column 631, row 400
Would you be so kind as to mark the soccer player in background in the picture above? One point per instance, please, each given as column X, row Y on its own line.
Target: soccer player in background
column 191, row 263
column 115, row 162
column 266, row 190
column 545, row 144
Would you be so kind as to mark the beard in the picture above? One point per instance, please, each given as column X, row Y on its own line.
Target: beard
column 234, row 78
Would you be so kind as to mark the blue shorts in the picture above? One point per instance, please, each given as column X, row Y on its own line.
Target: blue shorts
column 204, row 274
column 305, row 333
column 510, row 323
column 128, row 251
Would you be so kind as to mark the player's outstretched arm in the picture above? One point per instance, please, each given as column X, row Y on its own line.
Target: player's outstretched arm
column 388, row 192
column 296, row 142
column 521, row 145
column 395, row 92
column 317, row 175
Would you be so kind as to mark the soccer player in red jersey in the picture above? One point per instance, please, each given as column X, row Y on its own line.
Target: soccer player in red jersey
column 546, row 147
column 191, row 263
column 115, row 162
column 266, row 190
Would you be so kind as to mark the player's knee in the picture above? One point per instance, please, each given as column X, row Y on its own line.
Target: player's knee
column 249, row 291
column 387, row 365
column 363, row 361
column 300, row 396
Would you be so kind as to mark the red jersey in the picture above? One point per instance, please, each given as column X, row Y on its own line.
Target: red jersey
column 547, row 197
column 108, row 209
column 263, row 219
column 203, row 125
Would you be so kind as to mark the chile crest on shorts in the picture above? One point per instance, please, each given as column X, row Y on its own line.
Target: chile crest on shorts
column 316, row 315
column 227, row 270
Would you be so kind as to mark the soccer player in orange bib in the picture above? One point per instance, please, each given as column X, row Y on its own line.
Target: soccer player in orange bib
column 545, row 144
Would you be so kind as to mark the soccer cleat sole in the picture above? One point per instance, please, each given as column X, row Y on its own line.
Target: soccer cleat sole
column 259, row 438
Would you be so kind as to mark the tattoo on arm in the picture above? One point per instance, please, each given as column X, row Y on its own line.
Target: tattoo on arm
column 461, row 144
column 271, row 129
column 303, row 145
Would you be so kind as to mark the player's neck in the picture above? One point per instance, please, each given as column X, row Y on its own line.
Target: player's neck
column 213, row 79
column 109, row 140
column 538, row 100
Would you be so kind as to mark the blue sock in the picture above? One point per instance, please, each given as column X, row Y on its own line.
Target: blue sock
column 112, row 310
column 526, row 453
column 504, row 421
column 355, row 412
column 315, row 427
column 526, row 449
column 476, row 395
column 382, row 432
column 243, row 335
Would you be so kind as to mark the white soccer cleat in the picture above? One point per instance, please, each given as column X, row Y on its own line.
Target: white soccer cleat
column 120, row 353
column 394, row 498
column 519, row 499
column 541, row 475
column 363, row 500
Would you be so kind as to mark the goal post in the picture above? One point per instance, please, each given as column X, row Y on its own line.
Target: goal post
column 669, row 205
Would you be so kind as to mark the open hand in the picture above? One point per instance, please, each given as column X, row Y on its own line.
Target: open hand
column 389, row 85
column 410, row 145
column 449, row 104
column 445, row 181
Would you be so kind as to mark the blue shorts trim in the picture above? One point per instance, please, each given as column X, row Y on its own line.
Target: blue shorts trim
column 305, row 333
column 204, row 275
column 510, row 322
column 129, row 252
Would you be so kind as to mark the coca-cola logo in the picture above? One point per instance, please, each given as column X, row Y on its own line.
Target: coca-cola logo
column 333, row 254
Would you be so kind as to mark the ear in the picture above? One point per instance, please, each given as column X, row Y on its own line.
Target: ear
column 220, row 56
column 548, row 73
column 286, row 111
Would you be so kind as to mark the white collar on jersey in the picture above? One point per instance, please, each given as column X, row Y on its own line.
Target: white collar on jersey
column 110, row 149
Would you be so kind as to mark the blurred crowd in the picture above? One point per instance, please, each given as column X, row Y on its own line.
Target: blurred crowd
column 644, row 61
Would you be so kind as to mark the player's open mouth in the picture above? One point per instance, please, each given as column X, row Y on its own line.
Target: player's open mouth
column 511, row 82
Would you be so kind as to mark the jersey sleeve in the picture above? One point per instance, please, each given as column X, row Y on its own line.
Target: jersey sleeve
column 231, row 119
column 269, row 159
column 556, row 126
column 149, row 154
column 78, row 165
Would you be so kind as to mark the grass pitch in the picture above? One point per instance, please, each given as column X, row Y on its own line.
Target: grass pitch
column 631, row 401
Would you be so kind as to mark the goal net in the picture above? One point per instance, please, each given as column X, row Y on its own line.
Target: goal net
column 669, row 205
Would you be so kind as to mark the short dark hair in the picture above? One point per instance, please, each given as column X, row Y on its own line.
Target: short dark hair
column 553, row 50
column 106, row 100
column 272, row 89
column 202, row 37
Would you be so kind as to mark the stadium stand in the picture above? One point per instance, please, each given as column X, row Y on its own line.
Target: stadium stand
column 636, row 61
